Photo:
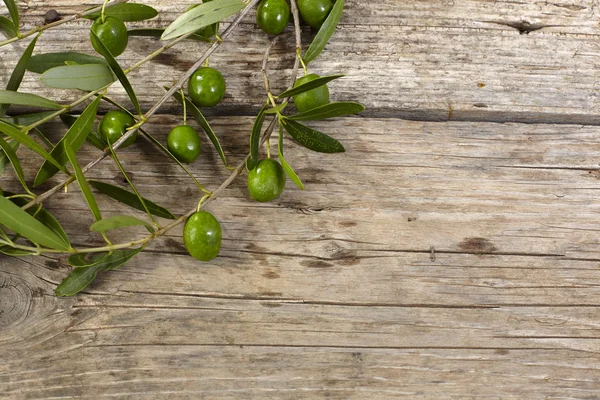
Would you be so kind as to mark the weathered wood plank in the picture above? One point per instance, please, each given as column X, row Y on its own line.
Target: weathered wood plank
column 464, row 60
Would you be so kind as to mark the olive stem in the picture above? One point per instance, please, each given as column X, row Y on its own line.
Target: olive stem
column 102, row 12
column 184, row 106
column 59, row 22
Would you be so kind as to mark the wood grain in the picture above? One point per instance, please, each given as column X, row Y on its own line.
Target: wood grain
column 434, row 260
column 433, row 60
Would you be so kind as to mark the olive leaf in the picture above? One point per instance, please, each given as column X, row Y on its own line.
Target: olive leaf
column 88, row 77
column 157, row 33
column 305, row 87
column 43, row 138
column 10, row 153
column 45, row 217
column 22, row 138
column 255, row 138
column 330, row 110
column 11, row 251
column 86, row 269
column 26, row 99
column 41, row 63
column 82, row 181
column 4, row 160
column 127, row 12
column 114, row 65
column 14, row 13
column 7, row 27
column 92, row 137
column 119, row 221
column 17, row 75
column 312, row 139
column 197, row 114
column 21, row 222
column 27, row 119
column 75, row 136
column 130, row 199
column 325, row 32
column 202, row 16
column 287, row 167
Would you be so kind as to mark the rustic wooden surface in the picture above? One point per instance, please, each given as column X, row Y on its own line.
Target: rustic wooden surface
column 446, row 256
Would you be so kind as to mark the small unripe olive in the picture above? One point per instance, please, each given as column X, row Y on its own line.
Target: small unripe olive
column 313, row 98
column 184, row 143
column 113, row 34
column 266, row 181
column 206, row 87
column 272, row 16
column 202, row 236
column 114, row 124
column 315, row 12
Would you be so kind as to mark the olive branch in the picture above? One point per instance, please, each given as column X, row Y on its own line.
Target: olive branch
column 23, row 214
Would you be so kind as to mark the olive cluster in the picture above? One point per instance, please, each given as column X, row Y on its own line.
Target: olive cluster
column 206, row 88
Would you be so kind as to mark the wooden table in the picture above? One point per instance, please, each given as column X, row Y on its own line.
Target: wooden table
column 452, row 253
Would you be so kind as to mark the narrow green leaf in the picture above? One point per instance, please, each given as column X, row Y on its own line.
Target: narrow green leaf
column 19, row 72
column 202, row 16
column 11, row 251
column 107, row 260
column 287, row 167
column 14, row 12
column 14, row 160
column 197, row 114
column 312, row 139
column 130, row 199
column 82, row 181
column 255, row 136
column 4, row 160
column 127, row 12
column 325, row 32
column 21, row 222
column 26, row 119
column 20, row 137
column 45, row 217
column 75, row 137
column 26, row 99
column 157, row 33
column 83, row 275
column 41, row 63
column 92, row 137
column 277, row 109
column 88, row 77
column 309, row 86
column 7, row 27
column 43, row 138
column 114, row 65
column 77, row 280
column 330, row 110
column 119, row 221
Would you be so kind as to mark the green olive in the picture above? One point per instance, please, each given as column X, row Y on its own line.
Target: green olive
column 202, row 236
column 313, row 98
column 184, row 143
column 266, row 181
column 315, row 12
column 206, row 87
column 114, row 124
column 113, row 34
column 272, row 16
